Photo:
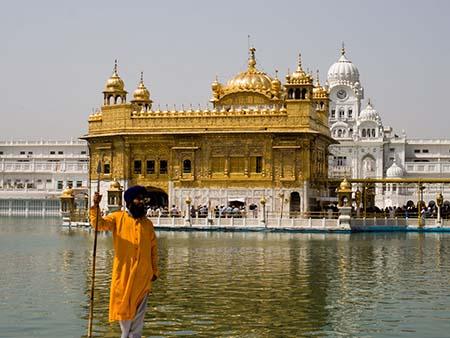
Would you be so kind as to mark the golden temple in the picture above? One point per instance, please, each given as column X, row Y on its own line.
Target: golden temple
column 262, row 137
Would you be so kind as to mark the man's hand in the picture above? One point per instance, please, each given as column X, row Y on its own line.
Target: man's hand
column 154, row 278
column 96, row 200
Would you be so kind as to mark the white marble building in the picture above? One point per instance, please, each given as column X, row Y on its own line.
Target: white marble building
column 367, row 149
column 34, row 173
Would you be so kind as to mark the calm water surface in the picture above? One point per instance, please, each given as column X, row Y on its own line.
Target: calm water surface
column 232, row 284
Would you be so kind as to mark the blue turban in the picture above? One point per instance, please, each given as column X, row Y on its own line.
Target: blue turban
column 133, row 192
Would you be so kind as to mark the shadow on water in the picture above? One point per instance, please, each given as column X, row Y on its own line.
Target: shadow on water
column 232, row 284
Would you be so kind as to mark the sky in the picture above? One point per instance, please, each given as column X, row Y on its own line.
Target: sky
column 57, row 55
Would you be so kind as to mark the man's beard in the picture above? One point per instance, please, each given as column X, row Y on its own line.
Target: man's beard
column 137, row 210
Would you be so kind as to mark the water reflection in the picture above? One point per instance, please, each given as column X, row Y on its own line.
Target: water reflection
column 232, row 284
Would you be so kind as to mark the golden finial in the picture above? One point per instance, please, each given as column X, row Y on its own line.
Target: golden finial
column 299, row 67
column 276, row 74
column 251, row 59
column 343, row 48
column 369, row 103
column 317, row 77
column 115, row 67
column 142, row 77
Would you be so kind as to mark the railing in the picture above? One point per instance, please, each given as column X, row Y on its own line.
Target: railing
column 39, row 207
column 44, row 142
column 245, row 222
column 44, row 167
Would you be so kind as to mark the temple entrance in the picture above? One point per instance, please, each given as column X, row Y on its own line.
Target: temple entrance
column 158, row 197
column 294, row 207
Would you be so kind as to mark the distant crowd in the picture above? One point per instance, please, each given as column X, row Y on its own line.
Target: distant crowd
column 330, row 211
column 202, row 211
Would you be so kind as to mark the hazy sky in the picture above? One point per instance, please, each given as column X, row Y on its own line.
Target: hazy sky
column 57, row 55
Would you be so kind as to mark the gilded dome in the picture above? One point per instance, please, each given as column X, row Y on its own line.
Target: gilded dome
column 68, row 192
column 115, row 185
column 141, row 93
column 343, row 71
column 276, row 84
column 250, row 80
column 299, row 76
column 318, row 90
column 115, row 83
column 345, row 186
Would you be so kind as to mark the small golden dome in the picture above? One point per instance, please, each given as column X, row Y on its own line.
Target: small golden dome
column 318, row 90
column 141, row 93
column 299, row 76
column 215, row 86
column 115, row 83
column 115, row 185
column 68, row 192
column 345, row 186
column 276, row 84
column 250, row 80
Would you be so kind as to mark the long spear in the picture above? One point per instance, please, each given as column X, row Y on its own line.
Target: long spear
column 94, row 252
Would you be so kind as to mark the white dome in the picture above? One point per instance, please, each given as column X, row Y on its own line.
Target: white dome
column 369, row 114
column 343, row 72
column 394, row 171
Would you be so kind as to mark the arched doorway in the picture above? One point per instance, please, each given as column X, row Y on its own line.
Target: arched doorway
column 368, row 166
column 158, row 197
column 294, row 207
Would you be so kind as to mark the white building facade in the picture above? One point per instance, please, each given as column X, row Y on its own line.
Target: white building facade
column 34, row 173
column 367, row 149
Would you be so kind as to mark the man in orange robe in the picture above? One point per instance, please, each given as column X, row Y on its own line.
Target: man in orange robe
column 135, row 260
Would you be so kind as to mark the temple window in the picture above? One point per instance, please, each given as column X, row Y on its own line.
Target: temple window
column 363, row 133
column 106, row 168
column 350, row 113
column 303, row 93
column 237, row 164
column 187, row 167
column 137, row 167
column 218, row 164
column 297, row 94
column 150, row 167
column 290, row 93
column 256, row 164
column 333, row 114
column 163, row 167
column 341, row 113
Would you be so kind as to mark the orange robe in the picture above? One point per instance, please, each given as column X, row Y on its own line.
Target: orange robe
column 135, row 261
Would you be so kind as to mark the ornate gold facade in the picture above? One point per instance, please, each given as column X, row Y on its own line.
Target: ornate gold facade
column 261, row 137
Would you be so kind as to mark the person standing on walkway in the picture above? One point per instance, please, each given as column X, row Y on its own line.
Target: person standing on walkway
column 135, row 260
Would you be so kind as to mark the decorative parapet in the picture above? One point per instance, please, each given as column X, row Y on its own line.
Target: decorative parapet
column 210, row 113
column 95, row 117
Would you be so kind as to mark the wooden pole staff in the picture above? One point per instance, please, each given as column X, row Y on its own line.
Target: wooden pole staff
column 94, row 252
